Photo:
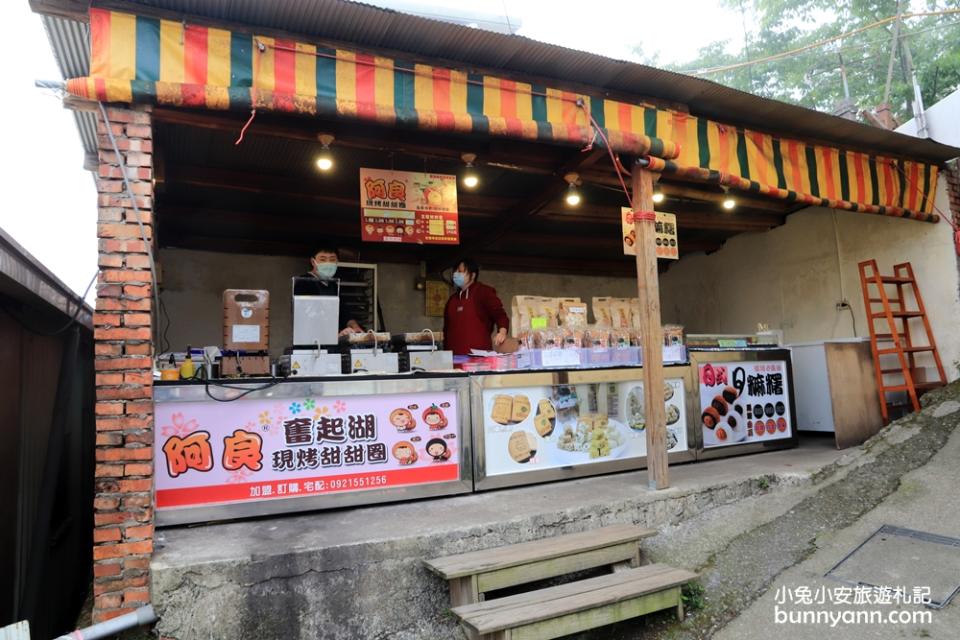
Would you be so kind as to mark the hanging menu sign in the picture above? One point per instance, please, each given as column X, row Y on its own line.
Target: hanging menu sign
column 402, row 206
column 666, row 240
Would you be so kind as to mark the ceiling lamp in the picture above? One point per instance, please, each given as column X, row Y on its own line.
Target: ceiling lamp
column 729, row 202
column 658, row 197
column 470, row 178
column 325, row 159
column 573, row 194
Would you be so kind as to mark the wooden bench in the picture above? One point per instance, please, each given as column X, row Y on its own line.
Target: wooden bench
column 577, row 606
column 470, row 575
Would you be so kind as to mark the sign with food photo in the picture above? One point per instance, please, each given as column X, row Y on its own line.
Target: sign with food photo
column 531, row 428
column 667, row 245
column 403, row 206
column 744, row 402
column 272, row 449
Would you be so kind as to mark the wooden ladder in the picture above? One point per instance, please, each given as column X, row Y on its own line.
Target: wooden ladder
column 898, row 338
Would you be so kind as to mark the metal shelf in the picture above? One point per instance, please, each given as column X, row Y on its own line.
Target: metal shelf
column 359, row 289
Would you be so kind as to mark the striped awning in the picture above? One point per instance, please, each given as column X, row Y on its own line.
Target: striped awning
column 145, row 59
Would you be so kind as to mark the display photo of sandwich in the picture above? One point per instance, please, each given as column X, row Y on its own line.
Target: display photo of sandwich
column 508, row 410
column 522, row 446
column 546, row 419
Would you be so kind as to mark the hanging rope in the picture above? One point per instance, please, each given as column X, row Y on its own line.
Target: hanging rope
column 243, row 131
column 613, row 158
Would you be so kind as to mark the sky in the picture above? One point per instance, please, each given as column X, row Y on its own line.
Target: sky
column 50, row 201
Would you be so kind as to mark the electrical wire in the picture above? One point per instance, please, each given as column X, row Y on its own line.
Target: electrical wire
column 274, row 381
column 879, row 42
column 597, row 130
column 243, row 131
column 136, row 210
column 819, row 43
column 853, row 318
column 76, row 314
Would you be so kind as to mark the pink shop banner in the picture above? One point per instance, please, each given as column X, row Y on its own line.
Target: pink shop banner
column 248, row 450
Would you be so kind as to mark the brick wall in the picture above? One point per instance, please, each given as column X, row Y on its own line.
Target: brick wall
column 953, row 188
column 123, row 505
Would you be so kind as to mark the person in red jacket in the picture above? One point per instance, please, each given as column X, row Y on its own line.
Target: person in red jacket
column 472, row 312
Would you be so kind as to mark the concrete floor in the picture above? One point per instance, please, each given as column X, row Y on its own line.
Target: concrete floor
column 926, row 500
column 237, row 541
column 358, row 573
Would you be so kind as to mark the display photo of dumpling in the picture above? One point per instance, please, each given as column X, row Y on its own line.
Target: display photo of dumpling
column 636, row 415
column 671, row 439
column 673, row 414
column 667, row 391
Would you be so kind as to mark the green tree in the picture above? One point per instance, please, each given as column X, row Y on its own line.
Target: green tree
column 813, row 78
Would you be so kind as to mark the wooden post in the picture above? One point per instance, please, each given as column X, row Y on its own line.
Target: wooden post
column 648, row 290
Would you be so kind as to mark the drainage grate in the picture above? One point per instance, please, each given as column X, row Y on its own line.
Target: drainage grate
column 896, row 558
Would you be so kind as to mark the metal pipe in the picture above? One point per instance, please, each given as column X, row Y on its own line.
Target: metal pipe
column 142, row 616
column 56, row 85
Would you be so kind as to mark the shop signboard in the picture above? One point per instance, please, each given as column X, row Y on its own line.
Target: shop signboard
column 744, row 402
column 403, row 206
column 271, row 449
column 667, row 245
column 547, row 427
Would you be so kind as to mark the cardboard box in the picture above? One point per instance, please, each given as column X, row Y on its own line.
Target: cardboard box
column 246, row 320
column 244, row 365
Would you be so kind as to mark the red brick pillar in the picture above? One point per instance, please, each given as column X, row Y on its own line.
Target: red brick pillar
column 123, row 504
column 952, row 172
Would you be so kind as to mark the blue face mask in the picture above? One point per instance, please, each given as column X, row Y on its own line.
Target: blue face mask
column 459, row 279
column 326, row 270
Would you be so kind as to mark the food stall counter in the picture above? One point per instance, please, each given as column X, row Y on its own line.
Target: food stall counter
column 744, row 399
column 232, row 448
column 555, row 424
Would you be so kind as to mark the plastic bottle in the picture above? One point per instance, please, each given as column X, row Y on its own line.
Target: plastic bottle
column 187, row 369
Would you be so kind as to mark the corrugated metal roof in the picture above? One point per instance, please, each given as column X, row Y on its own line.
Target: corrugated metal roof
column 18, row 266
column 70, row 41
column 366, row 26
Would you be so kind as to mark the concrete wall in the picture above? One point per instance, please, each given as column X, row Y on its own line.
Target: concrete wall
column 788, row 277
column 194, row 281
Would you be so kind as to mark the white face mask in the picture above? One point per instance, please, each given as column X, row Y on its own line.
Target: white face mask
column 325, row 270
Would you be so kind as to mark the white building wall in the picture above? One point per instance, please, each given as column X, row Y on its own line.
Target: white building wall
column 788, row 277
column 943, row 121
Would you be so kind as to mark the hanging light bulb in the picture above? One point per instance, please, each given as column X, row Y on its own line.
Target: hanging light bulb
column 573, row 194
column 325, row 159
column 658, row 197
column 470, row 178
column 729, row 202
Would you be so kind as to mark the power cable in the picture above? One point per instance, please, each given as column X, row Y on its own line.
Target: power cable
column 76, row 314
column 136, row 211
column 206, row 387
column 819, row 43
